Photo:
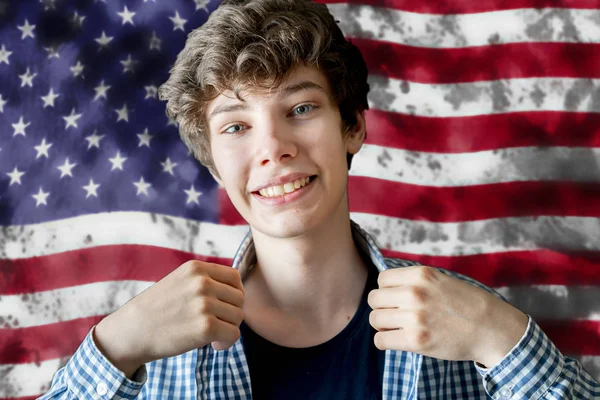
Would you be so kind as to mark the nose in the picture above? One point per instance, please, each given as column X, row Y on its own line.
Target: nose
column 276, row 142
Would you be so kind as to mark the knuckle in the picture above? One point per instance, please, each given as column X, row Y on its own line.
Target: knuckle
column 371, row 297
column 193, row 265
column 203, row 306
column 239, row 316
column 379, row 341
column 420, row 317
column 418, row 294
column 373, row 319
column 421, row 338
column 236, row 334
column 427, row 274
column 208, row 325
column 202, row 284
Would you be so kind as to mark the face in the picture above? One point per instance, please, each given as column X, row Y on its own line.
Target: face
column 276, row 140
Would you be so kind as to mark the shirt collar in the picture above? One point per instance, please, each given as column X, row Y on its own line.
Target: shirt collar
column 245, row 257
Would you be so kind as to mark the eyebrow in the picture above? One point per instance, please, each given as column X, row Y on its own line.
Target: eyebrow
column 284, row 92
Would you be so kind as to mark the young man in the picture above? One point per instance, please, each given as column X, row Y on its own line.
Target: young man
column 270, row 97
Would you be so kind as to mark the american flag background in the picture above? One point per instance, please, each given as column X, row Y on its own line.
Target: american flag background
column 482, row 156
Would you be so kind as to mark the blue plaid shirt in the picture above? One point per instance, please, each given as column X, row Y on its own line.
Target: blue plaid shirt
column 534, row 368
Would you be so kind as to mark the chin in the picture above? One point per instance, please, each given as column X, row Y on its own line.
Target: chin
column 283, row 228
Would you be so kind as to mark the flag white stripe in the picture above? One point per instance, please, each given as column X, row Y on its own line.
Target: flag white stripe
column 484, row 97
column 31, row 379
column 66, row 304
column 495, row 235
column 467, row 30
column 555, row 302
column 415, row 237
column 515, row 164
column 121, row 228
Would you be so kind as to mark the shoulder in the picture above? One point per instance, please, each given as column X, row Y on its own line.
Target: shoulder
column 392, row 262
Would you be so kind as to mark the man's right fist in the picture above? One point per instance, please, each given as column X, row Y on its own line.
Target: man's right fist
column 196, row 304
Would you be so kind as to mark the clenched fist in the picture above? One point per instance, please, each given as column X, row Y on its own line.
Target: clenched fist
column 196, row 304
column 423, row 310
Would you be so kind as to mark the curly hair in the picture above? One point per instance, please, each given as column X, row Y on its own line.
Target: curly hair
column 256, row 44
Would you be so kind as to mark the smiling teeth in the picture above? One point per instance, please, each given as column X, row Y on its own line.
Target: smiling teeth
column 280, row 190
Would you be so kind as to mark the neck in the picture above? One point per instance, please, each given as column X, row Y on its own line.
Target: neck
column 314, row 279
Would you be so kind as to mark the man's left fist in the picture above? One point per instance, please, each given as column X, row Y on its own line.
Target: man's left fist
column 423, row 310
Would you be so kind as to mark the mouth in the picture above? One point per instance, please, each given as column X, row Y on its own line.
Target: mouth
column 285, row 190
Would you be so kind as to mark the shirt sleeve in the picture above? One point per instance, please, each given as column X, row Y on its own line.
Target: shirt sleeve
column 90, row 375
column 536, row 369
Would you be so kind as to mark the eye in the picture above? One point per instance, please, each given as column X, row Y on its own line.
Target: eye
column 303, row 109
column 234, row 129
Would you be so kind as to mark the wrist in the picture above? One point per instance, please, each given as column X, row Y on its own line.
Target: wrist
column 113, row 346
column 505, row 327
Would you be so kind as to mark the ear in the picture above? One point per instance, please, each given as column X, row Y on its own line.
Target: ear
column 356, row 138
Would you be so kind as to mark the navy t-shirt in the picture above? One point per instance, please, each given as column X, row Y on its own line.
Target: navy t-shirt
column 348, row 366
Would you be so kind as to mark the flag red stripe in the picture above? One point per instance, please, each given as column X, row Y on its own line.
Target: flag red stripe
column 466, row 7
column 149, row 263
column 78, row 267
column 532, row 267
column 35, row 344
column 480, row 63
column 39, row 343
column 482, row 132
column 574, row 337
column 470, row 203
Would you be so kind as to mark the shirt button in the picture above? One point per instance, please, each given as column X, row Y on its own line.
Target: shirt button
column 101, row 389
column 505, row 393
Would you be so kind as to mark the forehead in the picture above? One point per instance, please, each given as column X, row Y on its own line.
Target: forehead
column 299, row 78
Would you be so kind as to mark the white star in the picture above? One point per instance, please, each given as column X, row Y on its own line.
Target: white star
column 192, row 196
column 77, row 69
column 15, row 176
column 154, row 42
column 77, row 20
column 123, row 114
column 117, row 162
column 20, row 127
column 201, row 5
column 178, row 22
column 129, row 64
column 142, row 187
column 48, row 4
column 144, row 138
column 104, row 40
column 126, row 16
column 49, row 98
column 40, row 197
column 91, row 189
column 2, row 103
column 27, row 79
column 71, row 120
column 42, row 149
column 94, row 140
column 171, row 122
column 4, row 55
column 151, row 92
column 26, row 29
column 66, row 168
column 101, row 90
column 52, row 52
column 168, row 166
